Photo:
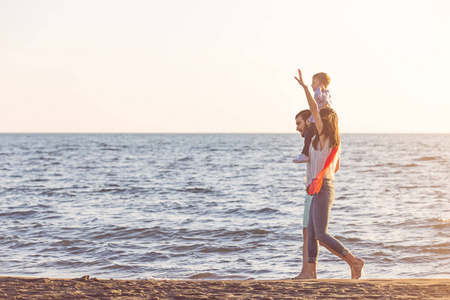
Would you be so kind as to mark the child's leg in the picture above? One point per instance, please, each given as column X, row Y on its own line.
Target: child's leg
column 309, row 134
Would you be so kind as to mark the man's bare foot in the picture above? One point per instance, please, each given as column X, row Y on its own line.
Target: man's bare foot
column 305, row 276
column 357, row 268
column 302, row 273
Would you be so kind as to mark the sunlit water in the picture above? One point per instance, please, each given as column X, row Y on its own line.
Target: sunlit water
column 216, row 206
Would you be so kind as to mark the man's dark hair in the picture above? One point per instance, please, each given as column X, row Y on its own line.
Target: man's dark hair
column 305, row 114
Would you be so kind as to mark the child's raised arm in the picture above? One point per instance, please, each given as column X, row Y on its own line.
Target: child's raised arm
column 311, row 102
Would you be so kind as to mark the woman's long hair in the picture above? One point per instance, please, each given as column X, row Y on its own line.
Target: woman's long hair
column 330, row 127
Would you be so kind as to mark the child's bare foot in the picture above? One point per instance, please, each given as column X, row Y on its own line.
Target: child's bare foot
column 357, row 268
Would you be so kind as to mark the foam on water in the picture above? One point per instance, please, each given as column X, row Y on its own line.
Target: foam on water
column 216, row 206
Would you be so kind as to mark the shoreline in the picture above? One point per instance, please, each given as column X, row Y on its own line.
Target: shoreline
column 93, row 288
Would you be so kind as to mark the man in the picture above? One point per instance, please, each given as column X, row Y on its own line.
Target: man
column 302, row 122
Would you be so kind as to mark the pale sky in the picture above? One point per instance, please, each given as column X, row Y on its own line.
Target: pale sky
column 221, row 66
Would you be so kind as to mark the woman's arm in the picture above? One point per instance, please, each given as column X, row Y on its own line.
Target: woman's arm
column 311, row 102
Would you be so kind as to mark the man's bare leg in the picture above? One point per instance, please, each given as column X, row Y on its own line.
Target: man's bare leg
column 305, row 255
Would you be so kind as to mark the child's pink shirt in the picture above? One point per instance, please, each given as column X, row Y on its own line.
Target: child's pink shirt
column 323, row 98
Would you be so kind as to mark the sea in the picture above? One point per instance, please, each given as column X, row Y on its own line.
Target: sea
column 217, row 206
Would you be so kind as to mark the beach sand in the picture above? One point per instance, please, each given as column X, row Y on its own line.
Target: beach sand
column 93, row 288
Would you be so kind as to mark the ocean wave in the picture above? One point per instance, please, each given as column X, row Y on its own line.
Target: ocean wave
column 196, row 190
column 17, row 215
column 153, row 256
column 409, row 165
column 265, row 211
column 107, row 190
column 126, row 233
column 187, row 158
column 427, row 158
column 221, row 249
column 182, row 248
column 396, row 165
column 110, row 149
column 440, row 249
column 213, row 276
column 239, row 233
column 258, row 231
column 214, row 206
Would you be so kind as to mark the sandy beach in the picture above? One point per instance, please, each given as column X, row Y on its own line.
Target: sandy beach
column 93, row 288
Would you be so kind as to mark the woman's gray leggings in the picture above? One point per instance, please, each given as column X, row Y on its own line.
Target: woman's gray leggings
column 319, row 215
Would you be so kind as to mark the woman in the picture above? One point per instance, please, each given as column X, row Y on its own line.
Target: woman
column 327, row 139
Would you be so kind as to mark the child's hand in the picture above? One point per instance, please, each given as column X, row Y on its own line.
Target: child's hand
column 300, row 79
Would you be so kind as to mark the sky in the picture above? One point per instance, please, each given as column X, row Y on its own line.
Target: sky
column 221, row 66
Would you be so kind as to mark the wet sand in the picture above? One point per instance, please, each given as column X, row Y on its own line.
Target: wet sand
column 93, row 288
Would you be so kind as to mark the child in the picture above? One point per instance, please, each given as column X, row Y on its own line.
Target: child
column 320, row 82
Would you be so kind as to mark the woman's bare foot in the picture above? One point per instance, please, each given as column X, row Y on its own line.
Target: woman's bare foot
column 356, row 268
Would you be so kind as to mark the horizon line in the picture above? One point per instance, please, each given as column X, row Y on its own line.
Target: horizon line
column 132, row 132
